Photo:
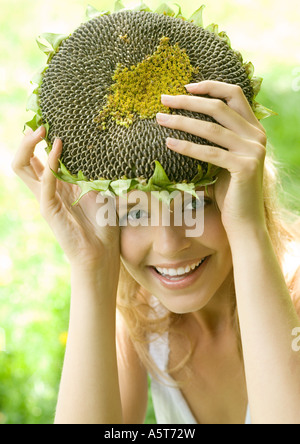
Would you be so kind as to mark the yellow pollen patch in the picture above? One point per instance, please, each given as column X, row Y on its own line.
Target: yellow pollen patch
column 136, row 91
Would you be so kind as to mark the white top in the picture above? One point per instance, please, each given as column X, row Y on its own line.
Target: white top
column 170, row 406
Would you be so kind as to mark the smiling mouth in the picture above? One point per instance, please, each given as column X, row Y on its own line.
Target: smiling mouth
column 180, row 273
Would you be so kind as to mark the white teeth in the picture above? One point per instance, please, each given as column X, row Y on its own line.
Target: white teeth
column 179, row 271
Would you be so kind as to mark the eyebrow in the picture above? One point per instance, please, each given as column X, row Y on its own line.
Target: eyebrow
column 126, row 205
column 123, row 203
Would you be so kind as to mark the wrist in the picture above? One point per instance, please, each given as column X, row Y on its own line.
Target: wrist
column 85, row 268
column 95, row 266
column 95, row 281
column 248, row 235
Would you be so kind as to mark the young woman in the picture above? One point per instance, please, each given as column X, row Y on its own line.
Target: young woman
column 218, row 340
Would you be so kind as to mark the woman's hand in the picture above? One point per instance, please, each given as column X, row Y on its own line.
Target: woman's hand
column 239, row 190
column 84, row 242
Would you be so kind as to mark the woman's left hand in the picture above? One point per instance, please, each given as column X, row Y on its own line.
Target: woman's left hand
column 239, row 188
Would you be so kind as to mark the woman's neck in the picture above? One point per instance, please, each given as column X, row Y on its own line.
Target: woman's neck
column 217, row 316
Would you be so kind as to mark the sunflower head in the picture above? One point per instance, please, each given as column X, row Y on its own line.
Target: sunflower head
column 101, row 89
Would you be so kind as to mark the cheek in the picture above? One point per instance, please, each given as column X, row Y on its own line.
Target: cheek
column 214, row 231
column 134, row 244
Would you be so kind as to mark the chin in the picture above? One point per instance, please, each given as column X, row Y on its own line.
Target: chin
column 185, row 304
column 195, row 299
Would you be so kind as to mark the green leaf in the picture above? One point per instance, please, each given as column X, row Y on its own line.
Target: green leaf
column 223, row 36
column 47, row 127
column 261, row 112
column 185, row 187
column 45, row 49
column 53, row 40
column 81, row 176
column 81, row 180
column 118, row 6
column 91, row 12
column 142, row 7
column 165, row 9
column 85, row 188
column 65, row 175
column 34, row 123
column 249, row 69
column 199, row 175
column 38, row 77
column 100, row 185
column 159, row 176
column 147, row 187
column 238, row 54
column 214, row 28
column 121, row 186
column 33, row 102
column 206, row 182
column 179, row 13
column 211, row 172
column 256, row 84
column 197, row 17
column 158, row 182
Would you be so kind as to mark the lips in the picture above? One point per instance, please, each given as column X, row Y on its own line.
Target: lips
column 179, row 281
column 178, row 272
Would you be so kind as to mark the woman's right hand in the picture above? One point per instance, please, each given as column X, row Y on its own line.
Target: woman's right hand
column 85, row 243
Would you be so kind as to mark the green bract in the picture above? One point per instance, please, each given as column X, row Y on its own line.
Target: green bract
column 123, row 114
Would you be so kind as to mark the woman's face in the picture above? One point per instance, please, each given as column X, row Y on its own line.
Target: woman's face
column 162, row 258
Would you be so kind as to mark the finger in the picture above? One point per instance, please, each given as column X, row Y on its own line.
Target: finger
column 207, row 130
column 233, row 94
column 26, row 149
column 48, row 190
column 217, row 109
column 206, row 153
column 86, row 210
column 37, row 166
column 21, row 164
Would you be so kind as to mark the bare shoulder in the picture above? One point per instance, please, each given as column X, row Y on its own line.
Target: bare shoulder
column 132, row 376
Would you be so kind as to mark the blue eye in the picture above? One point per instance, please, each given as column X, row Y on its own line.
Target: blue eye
column 136, row 215
column 195, row 204
column 133, row 216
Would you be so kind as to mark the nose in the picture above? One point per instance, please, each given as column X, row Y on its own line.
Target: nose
column 170, row 241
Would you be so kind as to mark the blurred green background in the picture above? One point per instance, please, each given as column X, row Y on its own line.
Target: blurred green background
column 34, row 274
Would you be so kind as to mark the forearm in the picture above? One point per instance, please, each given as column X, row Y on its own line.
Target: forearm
column 267, row 318
column 89, row 389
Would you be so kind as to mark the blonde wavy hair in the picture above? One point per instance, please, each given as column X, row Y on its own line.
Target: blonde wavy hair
column 144, row 322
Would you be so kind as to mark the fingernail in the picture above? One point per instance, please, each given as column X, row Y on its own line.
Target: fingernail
column 172, row 142
column 191, row 85
column 38, row 131
column 163, row 118
column 166, row 98
column 56, row 142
